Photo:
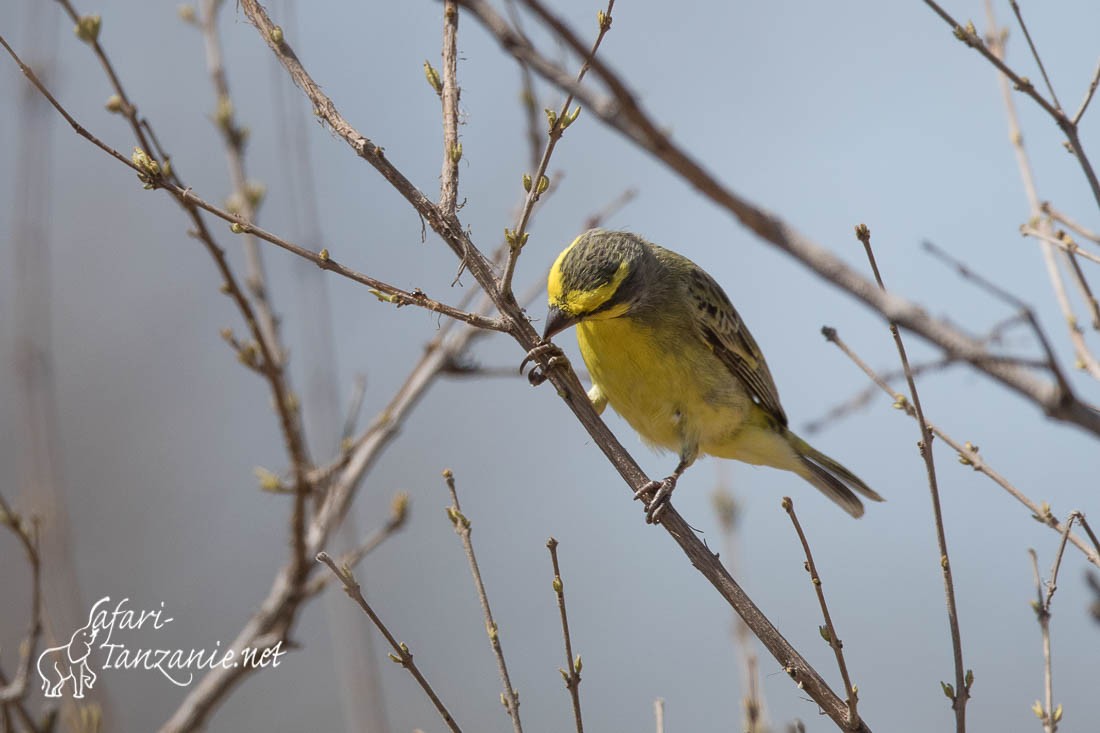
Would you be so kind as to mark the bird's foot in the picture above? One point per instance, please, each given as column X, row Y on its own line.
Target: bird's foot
column 656, row 494
column 538, row 374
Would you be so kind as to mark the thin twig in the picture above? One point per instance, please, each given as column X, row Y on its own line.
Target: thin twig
column 461, row 524
column 1052, row 584
column 277, row 610
column 1024, row 310
column 1064, row 243
column 961, row 692
column 246, row 197
column 573, row 676
column 187, row 197
column 828, row 630
column 863, row 397
column 1035, row 53
column 259, row 316
column 535, row 185
column 970, row 37
column 1044, row 631
column 1048, row 714
column 127, row 108
column 1083, row 284
column 969, row 454
column 1071, row 251
column 156, row 173
column 401, row 654
column 1063, row 218
column 1088, row 530
column 1088, row 95
column 399, row 514
column 452, row 150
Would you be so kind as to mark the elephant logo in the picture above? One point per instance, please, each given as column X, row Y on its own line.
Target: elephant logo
column 57, row 665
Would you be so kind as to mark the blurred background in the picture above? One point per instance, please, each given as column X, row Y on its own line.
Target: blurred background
column 829, row 114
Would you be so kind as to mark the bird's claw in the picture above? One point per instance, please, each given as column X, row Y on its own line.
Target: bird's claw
column 538, row 373
column 661, row 491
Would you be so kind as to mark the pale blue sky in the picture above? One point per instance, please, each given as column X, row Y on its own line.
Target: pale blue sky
column 830, row 114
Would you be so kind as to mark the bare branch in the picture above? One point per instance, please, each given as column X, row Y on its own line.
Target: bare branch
column 573, row 676
column 1064, row 243
column 399, row 513
column 461, row 524
column 246, row 197
column 452, row 149
column 401, row 654
column 189, row 199
column 277, row 611
column 1088, row 530
column 828, row 630
column 997, row 50
column 1035, row 53
column 962, row 680
column 623, row 114
column 1088, row 95
column 968, row 452
column 1048, row 714
column 535, row 183
column 157, row 172
column 1024, row 310
column 1063, row 218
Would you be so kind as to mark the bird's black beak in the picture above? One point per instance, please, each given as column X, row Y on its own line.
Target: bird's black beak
column 557, row 321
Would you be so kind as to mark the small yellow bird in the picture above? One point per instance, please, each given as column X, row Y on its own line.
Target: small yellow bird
column 666, row 349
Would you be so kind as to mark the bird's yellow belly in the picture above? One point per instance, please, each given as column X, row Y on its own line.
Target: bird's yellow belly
column 669, row 387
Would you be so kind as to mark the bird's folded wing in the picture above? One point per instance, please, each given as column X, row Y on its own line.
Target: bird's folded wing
column 723, row 330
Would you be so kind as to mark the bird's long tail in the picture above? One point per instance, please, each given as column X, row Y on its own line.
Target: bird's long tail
column 831, row 478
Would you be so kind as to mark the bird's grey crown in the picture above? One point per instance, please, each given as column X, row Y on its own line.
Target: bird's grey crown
column 596, row 257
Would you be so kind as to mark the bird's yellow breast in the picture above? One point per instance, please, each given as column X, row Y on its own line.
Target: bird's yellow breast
column 666, row 383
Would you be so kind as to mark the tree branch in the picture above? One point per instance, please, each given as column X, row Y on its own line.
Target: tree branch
column 622, row 113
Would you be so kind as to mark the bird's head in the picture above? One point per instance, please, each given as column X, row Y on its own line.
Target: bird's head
column 600, row 275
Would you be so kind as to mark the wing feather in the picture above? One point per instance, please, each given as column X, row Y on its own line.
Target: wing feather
column 726, row 334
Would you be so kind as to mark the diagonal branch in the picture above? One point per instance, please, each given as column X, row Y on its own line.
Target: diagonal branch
column 568, row 386
column 623, row 114
column 461, row 524
column 828, row 630
column 968, row 452
column 401, row 654
column 535, row 184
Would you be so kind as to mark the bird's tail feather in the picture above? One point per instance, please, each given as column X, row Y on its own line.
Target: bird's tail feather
column 831, row 478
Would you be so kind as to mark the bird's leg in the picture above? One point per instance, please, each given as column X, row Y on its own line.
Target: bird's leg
column 662, row 491
column 537, row 375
